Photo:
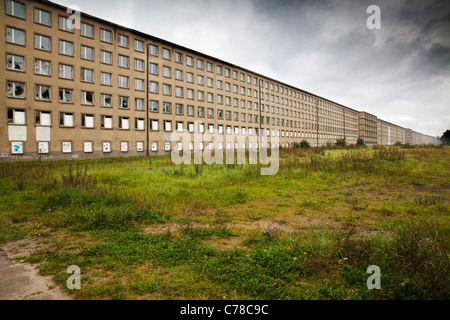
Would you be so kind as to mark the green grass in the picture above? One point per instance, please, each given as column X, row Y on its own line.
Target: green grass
column 143, row 228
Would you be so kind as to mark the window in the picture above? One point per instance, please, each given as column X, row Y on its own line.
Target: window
column 190, row 77
column 124, row 123
column 153, row 68
column 105, row 100
column 210, row 97
column 66, row 119
column 139, row 124
column 41, row 42
column 65, row 47
column 14, row 8
column 65, row 95
column 65, row 24
column 167, row 72
column 123, row 82
column 67, row 147
column 167, row 125
column 123, row 102
column 16, row 116
column 87, row 146
column 87, row 30
column 139, row 104
column 138, row 84
column 105, row 57
column 138, row 65
column 87, row 75
column 87, row 121
column 106, row 122
column 219, row 114
column 199, row 80
column 138, row 45
column 153, row 50
column 41, row 17
column 122, row 41
column 179, row 75
column 190, row 93
column 209, row 82
column 190, row 111
column 190, row 127
column 87, row 98
column 200, row 95
column 201, row 127
column 139, row 146
column 200, row 64
column 219, row 70
column 43, row 147
column 153, row 106
column 105, row 78
column 166, row 54
column 123, row 61
column 42, row 67
column 209, row 66
column 179, row 92
column 179, row 126
column 210, row 113
column 15, row 36
column 167, row 107
column 167, row 89
column 16, row 63
column 154, row 125
column 87, row 53
column 189, row 61
column 178, row 57
column 201, row 112
column 105, row 36
column 107, row 147
column 155, row 146
column 42, row 93
column 15, row 89
column 65, row 71
column 179, row 109
column 153, row 87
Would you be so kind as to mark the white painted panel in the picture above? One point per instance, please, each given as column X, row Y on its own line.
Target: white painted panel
column 45, row 119
column 17, row 133
column 108, row 123
column 89, row 122
column 43, row 134
column 68, row 120
column 43, row 147
column 19, row 117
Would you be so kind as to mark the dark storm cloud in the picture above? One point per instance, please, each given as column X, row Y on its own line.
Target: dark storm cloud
column 400, row 73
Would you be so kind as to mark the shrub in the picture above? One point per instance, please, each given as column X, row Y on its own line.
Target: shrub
column 305, row 144
column 360, row 143
column 341, row 142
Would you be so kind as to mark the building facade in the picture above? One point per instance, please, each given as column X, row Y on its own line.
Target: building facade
column 75, row 86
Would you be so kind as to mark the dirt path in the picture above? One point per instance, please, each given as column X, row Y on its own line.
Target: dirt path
column 21, row 281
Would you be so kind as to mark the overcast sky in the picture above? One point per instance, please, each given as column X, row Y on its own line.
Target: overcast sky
column 400, row 73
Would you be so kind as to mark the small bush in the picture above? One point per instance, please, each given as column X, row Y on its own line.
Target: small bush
column 305, row 144
column 360, row 143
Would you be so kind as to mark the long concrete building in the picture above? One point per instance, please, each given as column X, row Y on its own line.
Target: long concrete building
column 76, row 86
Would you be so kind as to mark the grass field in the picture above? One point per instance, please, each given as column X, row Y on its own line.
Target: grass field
column 142, row 228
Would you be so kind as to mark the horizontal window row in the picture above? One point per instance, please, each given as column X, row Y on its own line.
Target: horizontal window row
column 43, row 147
column 66, row 119
column 70, row 24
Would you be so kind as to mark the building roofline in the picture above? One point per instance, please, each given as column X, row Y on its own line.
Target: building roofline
column 175, row 45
